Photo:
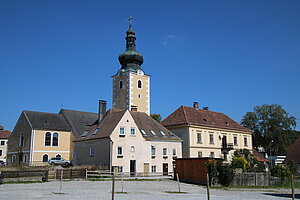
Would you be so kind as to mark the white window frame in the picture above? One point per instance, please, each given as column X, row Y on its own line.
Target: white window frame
column 91, row 152
column 118, row 151
column 165, row 152
column 199, row 136
column 174, row 152
column 153, row 149
column 235, row 142
column 245, row 141
column 2, row 141
column 153, row 168
column 132, row 149
column 121, row 128
column 132, row 129
column 211, row 138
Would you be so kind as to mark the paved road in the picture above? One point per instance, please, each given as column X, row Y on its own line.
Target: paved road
column 140, row 190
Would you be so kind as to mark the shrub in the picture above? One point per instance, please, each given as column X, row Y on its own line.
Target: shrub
column 226, row 174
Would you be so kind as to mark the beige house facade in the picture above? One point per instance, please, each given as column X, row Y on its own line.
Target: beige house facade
column 208, row 134
column 4, row 136
column 130, row 142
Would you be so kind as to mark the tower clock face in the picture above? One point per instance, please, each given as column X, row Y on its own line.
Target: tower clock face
column 140, row 72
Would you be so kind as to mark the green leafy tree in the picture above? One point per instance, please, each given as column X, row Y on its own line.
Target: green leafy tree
column 273, row 128
column 156, row 117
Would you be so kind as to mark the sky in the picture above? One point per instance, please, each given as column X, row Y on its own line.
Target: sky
column 229, row 56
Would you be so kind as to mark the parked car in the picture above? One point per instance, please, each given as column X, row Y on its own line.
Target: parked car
column 59, row 161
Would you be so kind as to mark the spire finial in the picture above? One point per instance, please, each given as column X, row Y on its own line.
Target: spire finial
column 130, row 21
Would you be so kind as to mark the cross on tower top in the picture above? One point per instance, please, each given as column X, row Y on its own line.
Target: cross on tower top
column 130, row 21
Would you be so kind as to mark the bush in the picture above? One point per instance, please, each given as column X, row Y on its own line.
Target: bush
column 240, row 162
column 226, row 174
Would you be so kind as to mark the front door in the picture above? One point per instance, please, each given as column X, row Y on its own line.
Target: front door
column 165, row 168
column 146, row 169
column 132, row 167
column 224, row 142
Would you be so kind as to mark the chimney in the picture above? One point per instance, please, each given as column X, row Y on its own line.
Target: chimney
column 196, row 105
column 205, row 108
column 102, row 110
column 134, row 108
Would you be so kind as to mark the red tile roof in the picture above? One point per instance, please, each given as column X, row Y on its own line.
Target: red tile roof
column 258, row 156
column 4, row 134
column 185, row 115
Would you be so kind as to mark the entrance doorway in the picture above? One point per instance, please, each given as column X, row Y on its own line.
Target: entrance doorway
column 165, row 168
column 146, row 169
column 132, row 167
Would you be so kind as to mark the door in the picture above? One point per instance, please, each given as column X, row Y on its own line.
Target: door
column 146, row 169
column 224, row 142
column 165, row 168
column 132, row 167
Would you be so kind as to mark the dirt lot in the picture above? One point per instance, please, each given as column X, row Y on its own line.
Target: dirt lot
column 140, row 190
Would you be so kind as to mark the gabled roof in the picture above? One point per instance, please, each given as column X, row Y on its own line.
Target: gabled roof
column 47, row 121
column 258, row 156
column 294, row 152
column 4, row 134
column 142, row 120
column 78, row 120
column 185, row 115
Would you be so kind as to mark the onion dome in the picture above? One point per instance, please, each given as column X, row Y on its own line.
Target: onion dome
column 131, row 60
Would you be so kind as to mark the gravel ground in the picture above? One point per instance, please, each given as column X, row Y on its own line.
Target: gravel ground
column 139, row 190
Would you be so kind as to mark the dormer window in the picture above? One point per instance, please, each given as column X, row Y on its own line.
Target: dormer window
column 162, row 133
column 143, row 132
column 95, row 132
column 227, row 123
column 85, row 133
column 153, row 133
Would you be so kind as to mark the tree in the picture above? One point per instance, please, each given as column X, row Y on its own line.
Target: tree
column 156, row 117
column 273, row 128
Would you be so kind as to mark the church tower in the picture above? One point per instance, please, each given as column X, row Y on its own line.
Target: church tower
column 131, row 86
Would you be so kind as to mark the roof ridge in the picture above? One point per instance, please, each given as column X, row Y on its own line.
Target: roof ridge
column 26, row 111
column 184, row 113
column 205, row 110
column 77, row 111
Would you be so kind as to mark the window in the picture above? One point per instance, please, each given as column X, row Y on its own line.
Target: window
column 25, row 158
column 162, row 133
column 121, row 84
column 120, row 169
column 153, row 151
column 211, row 138
column 165, row 152
column 58, row 156
column 21, row 142
column 174, row 152
column 2, row 143
column 132, row 149
column 122, row 131
column 153, row 133
column 212, row 154
column 95, row 132
column 199, row 139
column 92, row 151
column 139, row 84
column 153, row 168
column 85, row 133
column 139, row 96
column 143, row 132
column 45, row 158
column 55, row 139
column 13, row 158
column 199, row 154
column 120, row 151
column 245, row 142
column 132, row 131
column 0, row 152
column 235, row 140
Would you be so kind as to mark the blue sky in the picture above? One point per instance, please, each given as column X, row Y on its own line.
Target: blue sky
column 227, row 55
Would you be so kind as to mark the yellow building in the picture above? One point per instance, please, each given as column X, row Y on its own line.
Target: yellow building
column 207, row 133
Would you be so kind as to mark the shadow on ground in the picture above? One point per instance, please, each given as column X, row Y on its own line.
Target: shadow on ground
column 297, row 196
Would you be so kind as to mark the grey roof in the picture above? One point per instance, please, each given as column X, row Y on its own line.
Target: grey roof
column 78, row 120
column 47, row 121
column 142, row 120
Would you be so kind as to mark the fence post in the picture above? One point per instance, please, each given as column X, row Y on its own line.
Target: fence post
column 207, row 184
column 178, row 182
column 122, row 182
column 293, row 188
column 113, row 187
column 86, row 173
column 61, row 178
column 71, row 174
column 46, row 175
column 55, row 173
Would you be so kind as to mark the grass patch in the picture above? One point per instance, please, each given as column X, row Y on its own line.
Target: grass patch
column 175, row 192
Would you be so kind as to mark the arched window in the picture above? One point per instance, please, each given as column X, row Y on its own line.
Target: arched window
column 132, row 149
column 58, row 156
column 121, row 84
column 55, row 139
column 21, row 142
column 25, row 158
column 48, row 139
column 139, row 84
column 45, row 158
